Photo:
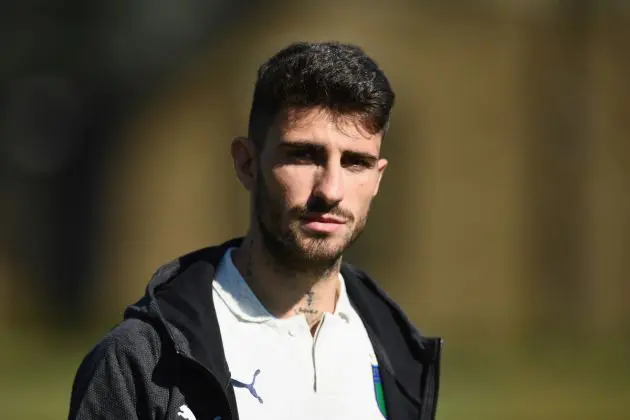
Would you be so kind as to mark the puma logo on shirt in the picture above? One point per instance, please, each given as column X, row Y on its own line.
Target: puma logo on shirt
column 249, row 387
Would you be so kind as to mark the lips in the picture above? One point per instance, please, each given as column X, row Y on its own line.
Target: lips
column 322, row 223
column 324, row 219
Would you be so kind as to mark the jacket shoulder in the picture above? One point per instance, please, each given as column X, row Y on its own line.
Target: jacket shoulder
column 132, row 336
column 116, row 372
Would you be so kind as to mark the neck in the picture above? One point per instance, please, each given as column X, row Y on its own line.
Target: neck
column 284, row 292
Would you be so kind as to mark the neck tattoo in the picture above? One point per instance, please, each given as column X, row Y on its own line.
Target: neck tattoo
column 312, row 315
column 310, row 312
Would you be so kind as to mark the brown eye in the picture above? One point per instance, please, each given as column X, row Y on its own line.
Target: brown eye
column 302, row 156
column 355, row 163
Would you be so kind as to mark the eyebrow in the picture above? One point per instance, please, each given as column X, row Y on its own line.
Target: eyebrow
column 299, row 144
column 303, row 144
column 368, row 157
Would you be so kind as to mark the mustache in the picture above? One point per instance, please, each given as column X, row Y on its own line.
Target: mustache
column 319, row 206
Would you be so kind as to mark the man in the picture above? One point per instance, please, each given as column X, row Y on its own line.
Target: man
column 274, row 325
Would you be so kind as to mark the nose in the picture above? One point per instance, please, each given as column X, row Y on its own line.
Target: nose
column 329, row 185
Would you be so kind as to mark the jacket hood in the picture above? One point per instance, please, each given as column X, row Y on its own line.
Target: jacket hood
column 179, row 298
column 161, row 281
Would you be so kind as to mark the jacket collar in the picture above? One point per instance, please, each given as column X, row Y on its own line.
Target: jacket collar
column 180, row 296
column 404, row 354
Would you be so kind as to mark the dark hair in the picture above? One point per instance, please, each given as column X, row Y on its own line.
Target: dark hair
column 337, row 77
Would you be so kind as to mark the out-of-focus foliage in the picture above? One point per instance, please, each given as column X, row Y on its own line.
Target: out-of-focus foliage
column 503, row 222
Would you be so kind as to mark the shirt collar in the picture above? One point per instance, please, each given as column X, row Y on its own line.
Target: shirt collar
column 343, row 308
column 235, row 292
column 243, row 303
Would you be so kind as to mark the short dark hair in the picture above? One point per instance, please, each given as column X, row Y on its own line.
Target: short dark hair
column 339, row 78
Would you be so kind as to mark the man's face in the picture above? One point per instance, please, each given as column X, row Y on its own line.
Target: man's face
column 316, row 179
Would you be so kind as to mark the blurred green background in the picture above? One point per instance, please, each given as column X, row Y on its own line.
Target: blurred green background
column 503, row 223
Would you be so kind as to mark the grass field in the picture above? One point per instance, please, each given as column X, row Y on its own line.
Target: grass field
column 587, row 384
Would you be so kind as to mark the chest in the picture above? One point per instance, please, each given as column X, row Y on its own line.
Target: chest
column 282, row 371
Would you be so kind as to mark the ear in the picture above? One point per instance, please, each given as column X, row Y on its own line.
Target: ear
column 380, row 166
column 243, row 156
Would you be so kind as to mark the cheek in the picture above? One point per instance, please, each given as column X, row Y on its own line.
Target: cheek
column 360, row 196
column 294, row 185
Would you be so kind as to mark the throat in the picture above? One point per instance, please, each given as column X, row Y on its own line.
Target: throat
column 286, row 294
column 312, row 314
column 315, row 303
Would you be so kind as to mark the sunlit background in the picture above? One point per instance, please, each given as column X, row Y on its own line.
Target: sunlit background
column 503, row 223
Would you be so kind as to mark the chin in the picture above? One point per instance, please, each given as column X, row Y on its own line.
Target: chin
column 323, row 246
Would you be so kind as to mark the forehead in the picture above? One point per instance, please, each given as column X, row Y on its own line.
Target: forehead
column 324, row 128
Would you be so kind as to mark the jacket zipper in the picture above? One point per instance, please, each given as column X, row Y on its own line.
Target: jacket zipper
column 429, row 402
column 197, row 364
column 211, row 376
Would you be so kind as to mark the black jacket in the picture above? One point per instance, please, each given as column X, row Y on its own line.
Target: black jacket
column 167, row 351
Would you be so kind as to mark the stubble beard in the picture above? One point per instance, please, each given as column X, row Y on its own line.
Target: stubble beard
column 289, row 246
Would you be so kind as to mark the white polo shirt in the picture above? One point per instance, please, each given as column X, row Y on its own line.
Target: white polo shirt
column 280, row 371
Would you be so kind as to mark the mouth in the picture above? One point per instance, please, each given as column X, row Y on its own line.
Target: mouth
column 322, row 223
